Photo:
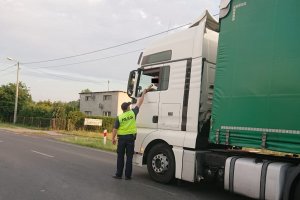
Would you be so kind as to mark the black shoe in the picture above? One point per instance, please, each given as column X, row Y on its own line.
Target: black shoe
column 127, row 178
column 117, row 177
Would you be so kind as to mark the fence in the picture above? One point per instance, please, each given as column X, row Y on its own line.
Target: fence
column 62, row 124
column 38, row 122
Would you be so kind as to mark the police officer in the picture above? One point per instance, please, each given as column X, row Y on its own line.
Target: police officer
column 125, row 128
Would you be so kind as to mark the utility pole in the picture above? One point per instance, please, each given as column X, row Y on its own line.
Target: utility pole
column 108, row 85
column 17, row 90
column 17, row 93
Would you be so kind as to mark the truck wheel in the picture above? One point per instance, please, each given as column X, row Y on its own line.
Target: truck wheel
column 296, row 190
column 161, row 163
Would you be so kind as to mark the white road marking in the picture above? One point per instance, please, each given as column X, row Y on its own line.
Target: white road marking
column 1, row 141
column 42, row 154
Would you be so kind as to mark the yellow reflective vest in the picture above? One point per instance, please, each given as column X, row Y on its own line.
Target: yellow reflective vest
column 127, row 123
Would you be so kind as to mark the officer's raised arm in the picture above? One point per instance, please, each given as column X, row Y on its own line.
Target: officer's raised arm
column 141, row 99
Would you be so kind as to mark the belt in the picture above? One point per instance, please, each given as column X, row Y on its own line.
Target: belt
column 129, row 136
column 126, row 135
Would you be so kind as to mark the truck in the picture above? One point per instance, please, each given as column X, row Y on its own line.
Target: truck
column 225, row 108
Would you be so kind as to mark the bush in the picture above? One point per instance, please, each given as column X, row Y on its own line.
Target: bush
column 36, row 110
column 76, row 122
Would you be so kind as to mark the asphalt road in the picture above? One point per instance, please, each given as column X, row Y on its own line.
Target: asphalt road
column 41, row 168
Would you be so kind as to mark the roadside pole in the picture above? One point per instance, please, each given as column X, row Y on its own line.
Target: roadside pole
column 104, row 136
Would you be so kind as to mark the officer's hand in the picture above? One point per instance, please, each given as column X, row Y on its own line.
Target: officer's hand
column 148, row 89
column 114, row 141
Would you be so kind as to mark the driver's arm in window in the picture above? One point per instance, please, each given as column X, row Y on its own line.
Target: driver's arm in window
column 154, row 85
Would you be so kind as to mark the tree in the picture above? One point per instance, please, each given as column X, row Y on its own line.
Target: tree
column 47, row 109
column 41, row 109
column 7, row 99
column 72, row 106
column 76, row 120
column 86, row 90
column 59, row 110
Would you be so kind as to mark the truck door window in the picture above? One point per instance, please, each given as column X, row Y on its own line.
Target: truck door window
column 164, row 78
column 157, row 77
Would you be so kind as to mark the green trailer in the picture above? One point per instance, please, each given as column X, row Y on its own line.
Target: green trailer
column 256, row 99
column 212, row 97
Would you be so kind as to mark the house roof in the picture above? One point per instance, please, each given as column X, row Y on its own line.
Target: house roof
column 115, row 91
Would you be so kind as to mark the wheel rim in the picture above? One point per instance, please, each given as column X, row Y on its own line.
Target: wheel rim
column 160, row 163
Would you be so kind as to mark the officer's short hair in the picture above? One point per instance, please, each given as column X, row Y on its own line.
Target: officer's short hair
column 125, row 105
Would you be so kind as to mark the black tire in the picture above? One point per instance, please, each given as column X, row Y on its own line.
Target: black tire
column 161, row 163
column 291, row 190
column 296, row 190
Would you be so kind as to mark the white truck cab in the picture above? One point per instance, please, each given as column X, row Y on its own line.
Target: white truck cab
column 181, row 67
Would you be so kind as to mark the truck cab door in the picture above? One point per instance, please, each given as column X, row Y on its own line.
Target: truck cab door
column 148, row 114
column 171, row 93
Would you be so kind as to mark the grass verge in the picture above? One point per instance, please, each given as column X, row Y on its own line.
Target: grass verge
column 22, row 129
column 83, row 138
column 83, row 134
column 90, row 142
column 7, row 125
column 10, row 125
column 89, row 139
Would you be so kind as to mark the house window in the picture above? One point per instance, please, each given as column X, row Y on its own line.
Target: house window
column 89, row 98
column 89, row 113
column 107, row 113
column 106, row 97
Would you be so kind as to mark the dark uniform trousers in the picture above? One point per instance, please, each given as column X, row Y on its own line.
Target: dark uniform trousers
column 125, row 145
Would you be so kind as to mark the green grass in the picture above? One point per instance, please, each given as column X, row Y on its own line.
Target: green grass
column 89, row 139
column 22, row 128
column 90, row 142
column 6, row 125
column 83, row 133
column 83, row 138
column 10, row 125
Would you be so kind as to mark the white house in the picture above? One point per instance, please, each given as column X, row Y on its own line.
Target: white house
column 107, row 103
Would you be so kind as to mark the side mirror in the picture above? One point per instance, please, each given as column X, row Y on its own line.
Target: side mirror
column 139, row 91
column 131, row 82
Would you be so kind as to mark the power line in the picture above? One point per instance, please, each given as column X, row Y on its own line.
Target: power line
column 8, row 72
column 107, row 48
column 69, row 78
column 7, row 68
column 4, row 61
column 77, row 80
column 86, row 61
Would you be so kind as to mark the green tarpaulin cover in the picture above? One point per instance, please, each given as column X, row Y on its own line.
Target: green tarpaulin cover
column 257, row 85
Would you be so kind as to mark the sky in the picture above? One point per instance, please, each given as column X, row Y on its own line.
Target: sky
column 34, row 32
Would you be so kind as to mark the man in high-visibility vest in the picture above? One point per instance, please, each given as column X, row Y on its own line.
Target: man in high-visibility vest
column 125, row 128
